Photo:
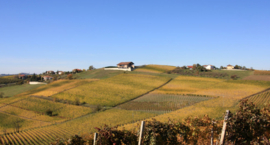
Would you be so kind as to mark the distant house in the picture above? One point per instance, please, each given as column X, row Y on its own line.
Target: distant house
column 125, row 65
column 46, row 78
column 23, row 76
column 208, row 67
column 61, row 72
column 50, row 72
column 230, row 67
column 190, row 67
column 76, row 70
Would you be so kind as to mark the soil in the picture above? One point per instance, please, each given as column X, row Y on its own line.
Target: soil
column 258, row 77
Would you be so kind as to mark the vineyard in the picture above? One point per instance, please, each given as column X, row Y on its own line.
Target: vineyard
column 161, row 102
column 17, row 89
column 261, row 99
column 114, row 90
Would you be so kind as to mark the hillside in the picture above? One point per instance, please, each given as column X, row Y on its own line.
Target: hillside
column 118, row 98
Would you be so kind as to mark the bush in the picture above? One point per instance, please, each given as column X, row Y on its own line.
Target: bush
column 1, row 95
column 69, row 76
column 77, row 101
column 49, row 112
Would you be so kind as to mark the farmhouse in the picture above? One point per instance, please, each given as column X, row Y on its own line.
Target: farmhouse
column 209, row 67
column 23, row 76
column 46, row 78
column 124, row 66
column 230, row 67
column 50, row 72
column 76, row 70
column 60, row 72
column 190, row 67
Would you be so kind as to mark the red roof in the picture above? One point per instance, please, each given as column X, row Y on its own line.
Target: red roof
column 77, row 69
column 22, row 75
column 229, row 65
column 190, row 66
column 125, row 63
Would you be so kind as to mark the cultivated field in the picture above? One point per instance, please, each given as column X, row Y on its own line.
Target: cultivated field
column 17, row 89
column 261, row 99
column 97, row 74
column 60, row 86
column 208, row 86
column 258, row 77
column 114, row 90
column 155, row 68
column 261, row 72
column 55, row 87
column 162, row 102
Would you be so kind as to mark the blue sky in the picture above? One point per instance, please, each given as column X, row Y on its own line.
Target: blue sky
column 36, row 36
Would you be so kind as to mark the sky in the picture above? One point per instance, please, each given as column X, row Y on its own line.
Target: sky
column 36, row 36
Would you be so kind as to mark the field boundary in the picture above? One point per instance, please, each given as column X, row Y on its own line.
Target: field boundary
column 268, row 89
column 144, row 93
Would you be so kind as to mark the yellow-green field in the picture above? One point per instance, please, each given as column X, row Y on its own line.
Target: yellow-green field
column 60, row 86
column 114, row 90
column 155, row 68
column 110, row 117
column 208, row 86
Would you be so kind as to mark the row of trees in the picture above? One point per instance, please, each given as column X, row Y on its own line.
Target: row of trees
column 248, row 125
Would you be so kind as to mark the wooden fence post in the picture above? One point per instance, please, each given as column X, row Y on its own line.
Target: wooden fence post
column 224, row 128
column 141, row 133
column 95, row 138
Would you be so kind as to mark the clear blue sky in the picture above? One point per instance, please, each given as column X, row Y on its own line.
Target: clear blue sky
column 36, row 36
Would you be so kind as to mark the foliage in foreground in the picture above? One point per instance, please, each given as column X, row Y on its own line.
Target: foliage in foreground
column 249, row 125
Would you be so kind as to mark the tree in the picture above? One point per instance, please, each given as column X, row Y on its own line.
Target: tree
column 91, row 67
column 221, row 67
column 17, row 125
column 34, row 77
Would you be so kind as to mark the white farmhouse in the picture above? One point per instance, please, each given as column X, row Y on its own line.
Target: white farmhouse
column 209, row 67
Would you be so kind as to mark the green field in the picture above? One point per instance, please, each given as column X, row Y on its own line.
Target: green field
column 14, row 90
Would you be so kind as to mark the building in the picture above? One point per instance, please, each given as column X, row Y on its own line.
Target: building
column 50, row 72
column 61, row 72
column 126, row 65
column 208, row 67
column 76, row 70
column 190, row 67
column 22, row 76
column 230, row 67
column 46, row 78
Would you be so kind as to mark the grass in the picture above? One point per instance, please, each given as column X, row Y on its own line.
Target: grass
column 240, row 74
column 14, row 90
column 155, row 68
column 114, row 90
column 97, row 74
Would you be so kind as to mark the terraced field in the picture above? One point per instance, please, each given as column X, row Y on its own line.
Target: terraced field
column 261, row 99
column 114, row 90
